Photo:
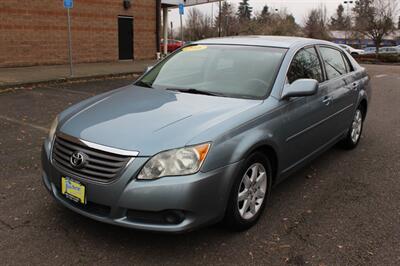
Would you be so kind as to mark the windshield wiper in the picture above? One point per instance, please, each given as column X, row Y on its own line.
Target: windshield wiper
column 195, row 91
column 143, row 84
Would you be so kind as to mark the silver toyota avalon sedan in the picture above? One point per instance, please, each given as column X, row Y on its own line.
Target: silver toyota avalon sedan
column 204, row 135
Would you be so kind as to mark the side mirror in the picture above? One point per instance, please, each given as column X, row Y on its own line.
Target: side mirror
column 300, row 87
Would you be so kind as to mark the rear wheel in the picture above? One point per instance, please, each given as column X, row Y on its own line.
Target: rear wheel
column 354, row 134
column 249, row 194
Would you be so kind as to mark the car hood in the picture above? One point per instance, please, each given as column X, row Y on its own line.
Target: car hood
column 150, row 120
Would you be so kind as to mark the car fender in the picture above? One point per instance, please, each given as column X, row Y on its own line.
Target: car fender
column 365, row 93
column 238, row 145
column 233, row 150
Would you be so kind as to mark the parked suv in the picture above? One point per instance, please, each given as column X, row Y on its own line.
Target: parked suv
column 205, row 134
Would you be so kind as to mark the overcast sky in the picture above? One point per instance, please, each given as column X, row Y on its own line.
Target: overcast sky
column 298, row 8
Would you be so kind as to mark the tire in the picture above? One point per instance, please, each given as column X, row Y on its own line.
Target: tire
column 238, row 216
column 353, row 135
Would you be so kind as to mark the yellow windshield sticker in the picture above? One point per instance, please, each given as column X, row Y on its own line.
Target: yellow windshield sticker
column 194, row 48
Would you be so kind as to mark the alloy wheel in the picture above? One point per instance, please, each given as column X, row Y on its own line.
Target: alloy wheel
column 252, row 191
column 356, row 126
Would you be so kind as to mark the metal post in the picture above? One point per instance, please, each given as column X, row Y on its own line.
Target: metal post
column 181, row 29
column 212, row 15
column 220, row 18
column 158, row 26
column 227, row 26
column 165, row 29
column 349, row 34
column 346, row 32
column 71, row 73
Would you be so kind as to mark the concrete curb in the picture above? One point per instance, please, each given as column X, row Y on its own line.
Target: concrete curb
column 67, row 79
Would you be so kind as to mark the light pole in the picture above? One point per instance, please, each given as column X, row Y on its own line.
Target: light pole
column 71, row 71
column 220, row 18
column 172, row 30
column 181, row 28
column 165, row 30
column 348, row 3
column 212, row 14
column 227, row 31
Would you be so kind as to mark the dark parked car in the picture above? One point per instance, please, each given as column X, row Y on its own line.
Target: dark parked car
column 205, row 134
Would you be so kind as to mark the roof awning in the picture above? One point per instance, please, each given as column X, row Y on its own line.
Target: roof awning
column 175, row 3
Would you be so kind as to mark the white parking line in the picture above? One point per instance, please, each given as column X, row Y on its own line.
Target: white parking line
column 24, row 123
column 381, row 76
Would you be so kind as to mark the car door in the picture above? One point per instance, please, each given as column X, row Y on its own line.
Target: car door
column 304, row 130
column 343, row 87
column 354, row 82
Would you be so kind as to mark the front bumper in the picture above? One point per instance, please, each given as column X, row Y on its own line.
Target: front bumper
column 170, row 204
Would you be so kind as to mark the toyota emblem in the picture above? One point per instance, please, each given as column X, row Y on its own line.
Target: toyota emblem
column 78, row 159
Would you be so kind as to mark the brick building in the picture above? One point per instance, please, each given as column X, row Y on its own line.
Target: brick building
column 35, row 32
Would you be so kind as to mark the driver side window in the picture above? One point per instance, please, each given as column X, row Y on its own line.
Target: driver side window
column 305, row 65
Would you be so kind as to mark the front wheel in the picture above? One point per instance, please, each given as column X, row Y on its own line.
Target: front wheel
column 249, row 194
column 354, row 134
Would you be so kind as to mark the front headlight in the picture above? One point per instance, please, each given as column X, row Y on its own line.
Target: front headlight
column 53, row 129
column 184, row 161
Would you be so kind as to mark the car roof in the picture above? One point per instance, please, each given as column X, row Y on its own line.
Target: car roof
column 271, row 41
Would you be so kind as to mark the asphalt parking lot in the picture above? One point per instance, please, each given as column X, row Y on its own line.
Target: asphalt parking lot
column 344, row 209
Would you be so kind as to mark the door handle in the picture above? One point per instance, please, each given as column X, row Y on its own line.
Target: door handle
column 354, row 85
column 327, row 100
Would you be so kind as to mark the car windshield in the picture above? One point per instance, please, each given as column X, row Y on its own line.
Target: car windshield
column 222, row 70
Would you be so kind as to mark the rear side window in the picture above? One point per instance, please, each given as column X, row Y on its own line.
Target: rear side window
column 334, row 63
column 305, row 65
column 349, row 67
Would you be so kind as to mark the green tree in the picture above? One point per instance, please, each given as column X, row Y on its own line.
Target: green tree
column 281, row 23
column 285, row 24
column 244, row 10
column 316, row 25
column 375, row 19
column 340, row 21
column 198, row 25
column 265, row 15
column 229, row 21
column 265, row 11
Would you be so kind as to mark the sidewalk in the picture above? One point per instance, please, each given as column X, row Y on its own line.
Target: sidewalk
column 19, row 76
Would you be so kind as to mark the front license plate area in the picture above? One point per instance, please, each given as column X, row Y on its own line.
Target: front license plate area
column 73, row 190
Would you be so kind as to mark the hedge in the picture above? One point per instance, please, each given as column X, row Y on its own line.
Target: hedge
column 382, row 58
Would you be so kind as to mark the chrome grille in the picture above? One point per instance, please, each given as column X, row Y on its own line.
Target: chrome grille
column 101, row 165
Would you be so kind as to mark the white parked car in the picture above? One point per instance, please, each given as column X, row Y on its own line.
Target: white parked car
column 351, row 50
column 370, row 50
column 389, row 50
